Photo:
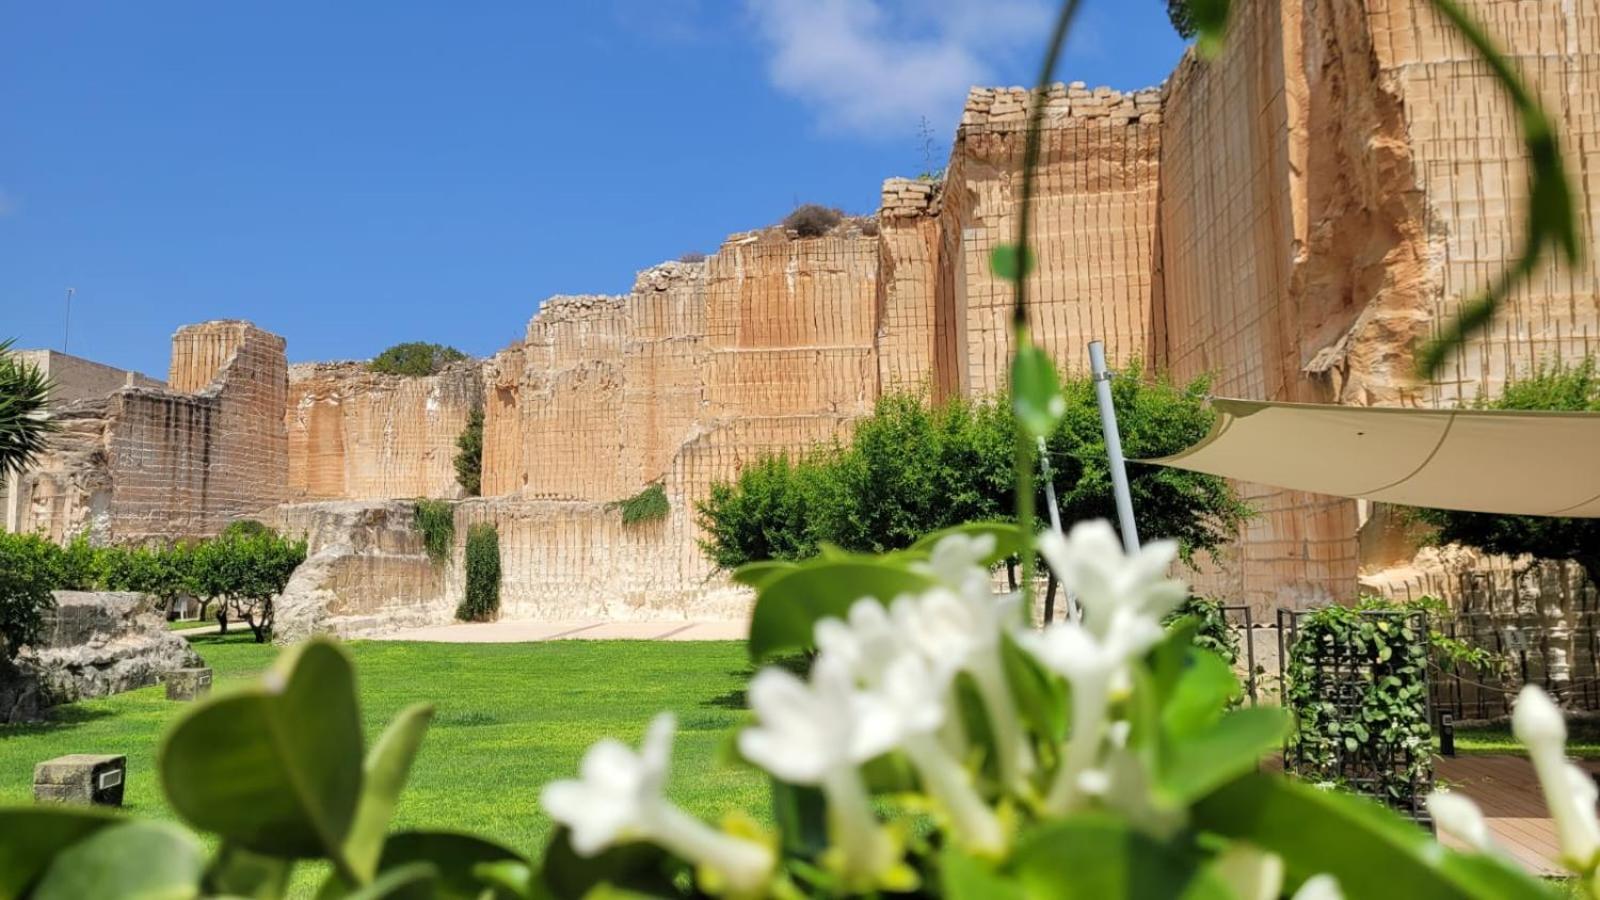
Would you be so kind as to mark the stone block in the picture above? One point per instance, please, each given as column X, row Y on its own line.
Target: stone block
column 88, row 779
column 188, row 684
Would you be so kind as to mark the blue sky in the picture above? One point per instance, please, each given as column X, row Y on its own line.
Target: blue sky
column 355, row 174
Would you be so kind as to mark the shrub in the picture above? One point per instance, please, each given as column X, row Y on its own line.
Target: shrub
column 415, row 358
column 245, row 528
column 812, row 220
column 77, row 566
column 244, row 572
column 648, row 505
column 28, row 568
column 436, row 520
column 693, row 256
column 482, row 600
column 1213, row 632
column 469, row 455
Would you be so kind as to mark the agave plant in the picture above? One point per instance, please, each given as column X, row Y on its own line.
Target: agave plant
column 24, row 427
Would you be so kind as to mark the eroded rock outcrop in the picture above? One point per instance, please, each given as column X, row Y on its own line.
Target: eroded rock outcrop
column 95, row 644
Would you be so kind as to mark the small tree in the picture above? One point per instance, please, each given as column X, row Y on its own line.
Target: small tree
column 1182, row 19
column 78, row 565
column 245, row 572
column 482, row 600
column 415, row 358
column 1549, row 387
column 469, row 455
column 777, row 508
column 24, row 428
column 28, row 566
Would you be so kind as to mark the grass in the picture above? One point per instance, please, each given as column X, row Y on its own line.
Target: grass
column 187, row 624
column 1583, row 740
column 509, row 717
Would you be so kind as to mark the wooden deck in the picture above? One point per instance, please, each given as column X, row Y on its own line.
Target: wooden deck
column 1508, row 793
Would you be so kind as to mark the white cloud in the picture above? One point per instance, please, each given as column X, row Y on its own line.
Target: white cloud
column 876, row 67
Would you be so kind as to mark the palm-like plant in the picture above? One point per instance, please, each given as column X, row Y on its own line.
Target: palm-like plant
column 24, row 394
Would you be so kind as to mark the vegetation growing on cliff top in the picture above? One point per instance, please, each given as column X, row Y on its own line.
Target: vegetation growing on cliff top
column 813, row 220
column 415, row 358
column 469, row 455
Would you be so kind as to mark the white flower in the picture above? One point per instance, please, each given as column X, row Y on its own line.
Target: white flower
column 1319, row 887
column 1568, row 790
column 1250, row 872
column 1460, row 818
column 865, row 641
column 1090, row 563
column 618, row 799
column 1096, row 668
column 957, row 561
column 817, row 734
column 961, row 632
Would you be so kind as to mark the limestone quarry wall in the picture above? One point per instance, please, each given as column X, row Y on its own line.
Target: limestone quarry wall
column 1094, row 226
column 358, row 435
column 148, row 463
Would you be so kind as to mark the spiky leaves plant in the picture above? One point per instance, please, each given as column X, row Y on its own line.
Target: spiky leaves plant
column 24, row 426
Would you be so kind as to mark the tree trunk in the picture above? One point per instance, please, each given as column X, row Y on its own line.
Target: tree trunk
column 1049, row 597
column 1011, row 572
column 222, row 618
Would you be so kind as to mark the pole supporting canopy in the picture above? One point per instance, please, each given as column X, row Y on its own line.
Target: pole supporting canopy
column 1496, row 461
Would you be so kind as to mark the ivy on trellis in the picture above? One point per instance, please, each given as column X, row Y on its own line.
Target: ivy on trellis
column 1356, row 681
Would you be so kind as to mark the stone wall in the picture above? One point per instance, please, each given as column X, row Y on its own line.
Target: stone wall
column 357, row 435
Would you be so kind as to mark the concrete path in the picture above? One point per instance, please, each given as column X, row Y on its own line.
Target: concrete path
column 519, row 632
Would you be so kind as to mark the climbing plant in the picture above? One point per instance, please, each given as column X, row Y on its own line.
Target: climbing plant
column 648, row 505
column 1356, row 683
column 482, row 599
column 436, row 520
column 469, row 455
column 1211, row 626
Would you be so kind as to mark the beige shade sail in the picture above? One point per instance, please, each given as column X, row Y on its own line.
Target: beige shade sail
column 1525, row 463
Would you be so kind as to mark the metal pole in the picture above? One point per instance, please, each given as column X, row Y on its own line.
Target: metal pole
column 1108, row 424
column 66, row 331
column 1073, row 612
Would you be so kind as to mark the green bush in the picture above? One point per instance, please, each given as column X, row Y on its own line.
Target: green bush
column 415, row 358
column 648, row 505
column 482, row 600
column 436, row 520
column 28, row 569
column 469, row 455
column 245, row 528
column 1213, row 632
column 244, row 572
column 812, row 220
column 77, row 565
column 911, row 469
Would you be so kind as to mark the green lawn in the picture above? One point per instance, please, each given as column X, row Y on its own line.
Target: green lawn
column 186, row 624
column 510, row 718
column 1583, row 740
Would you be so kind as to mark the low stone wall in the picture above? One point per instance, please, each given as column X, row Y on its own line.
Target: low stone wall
column 96, row 643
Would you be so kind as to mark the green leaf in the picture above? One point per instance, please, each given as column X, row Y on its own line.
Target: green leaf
column 1042, row 699
column 512, row 879
column 410, row 882
column 1009, row 539
column 1197, row 762
column 757, row 574
column 1094, row 857
column 134, row 860
column 1200, row 695
column 643, row 868
column 454, row 857
column 789, row 606
column 276, row 767
column 1372, row 851
column 385, row 771
column 802, row 819
column 1036, row 391
column 965, row 878
column 31, row 837
column 1210, row 18
column 236, row 872
column 1005, row 262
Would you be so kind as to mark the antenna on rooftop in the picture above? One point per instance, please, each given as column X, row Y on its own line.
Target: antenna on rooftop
column 67, row 331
